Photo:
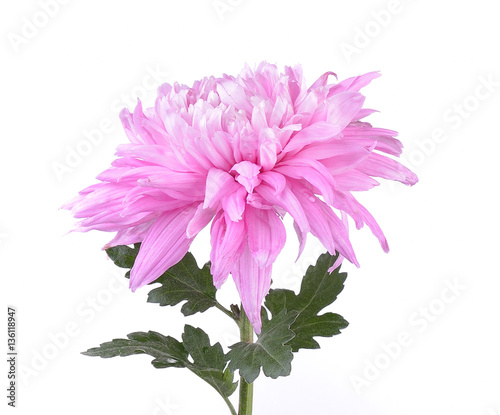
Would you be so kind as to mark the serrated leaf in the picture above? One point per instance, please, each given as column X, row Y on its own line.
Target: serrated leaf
column 270, row 352
column 167, row 351
column 319, row 289
column 185, row 282
column 209, row 362
column 123, row 256
column 182, row 282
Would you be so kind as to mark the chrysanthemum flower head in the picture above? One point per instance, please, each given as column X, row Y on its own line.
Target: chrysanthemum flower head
column 240, row 153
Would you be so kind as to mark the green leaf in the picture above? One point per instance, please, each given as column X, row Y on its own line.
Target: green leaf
column 182, row 282
column 186, row 282
column 208, row 362
column 319, row 289
column 270, row 352
column 123, row 256
column 167, row 351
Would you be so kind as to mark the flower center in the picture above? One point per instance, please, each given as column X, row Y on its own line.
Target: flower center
column 247, row 174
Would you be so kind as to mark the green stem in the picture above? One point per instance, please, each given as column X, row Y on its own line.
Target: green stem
column 230, row 405
column 246, row 389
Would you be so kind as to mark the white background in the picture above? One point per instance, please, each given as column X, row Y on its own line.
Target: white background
column 68, row 74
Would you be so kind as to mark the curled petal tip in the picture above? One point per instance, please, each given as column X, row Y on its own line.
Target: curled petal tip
column 413, row 179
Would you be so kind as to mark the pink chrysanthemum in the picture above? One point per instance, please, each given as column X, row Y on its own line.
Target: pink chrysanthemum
column 240, row 153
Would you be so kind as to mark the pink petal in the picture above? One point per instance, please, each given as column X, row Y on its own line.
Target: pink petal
column 178, row 181
column 269, row 148
column 325, row 225
column 234, row 204
column 322, row 80
column 302, row 237
column 128, row 126
column 287, row 201
column 266, row 235
column 105, row 199
column 221, row 142
column 385, row 144
column 233, row 94
column 247, row 175
column 366, row 135
column 294, row 83
column 311, row 171
column 333, row 148
column 201, row 218
column 354, row 180
column 164, row 245
column 380, row 166
column 132, row 235
column 354, row 84
column 258, row 119
column 148, row 204
column 363, row 113
column 340, row 258
column 342, row 163
column 139, row 128
column 308, row 105
column 153, row 154
column 227, row 239
column 112, row 222
column 317, row 132
column 371, row 222
column 276, row 180
column 336, row 264
column 253, row 284
column 281, row 108
column 218, row 158
column 343, row 108
column 218, row 184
